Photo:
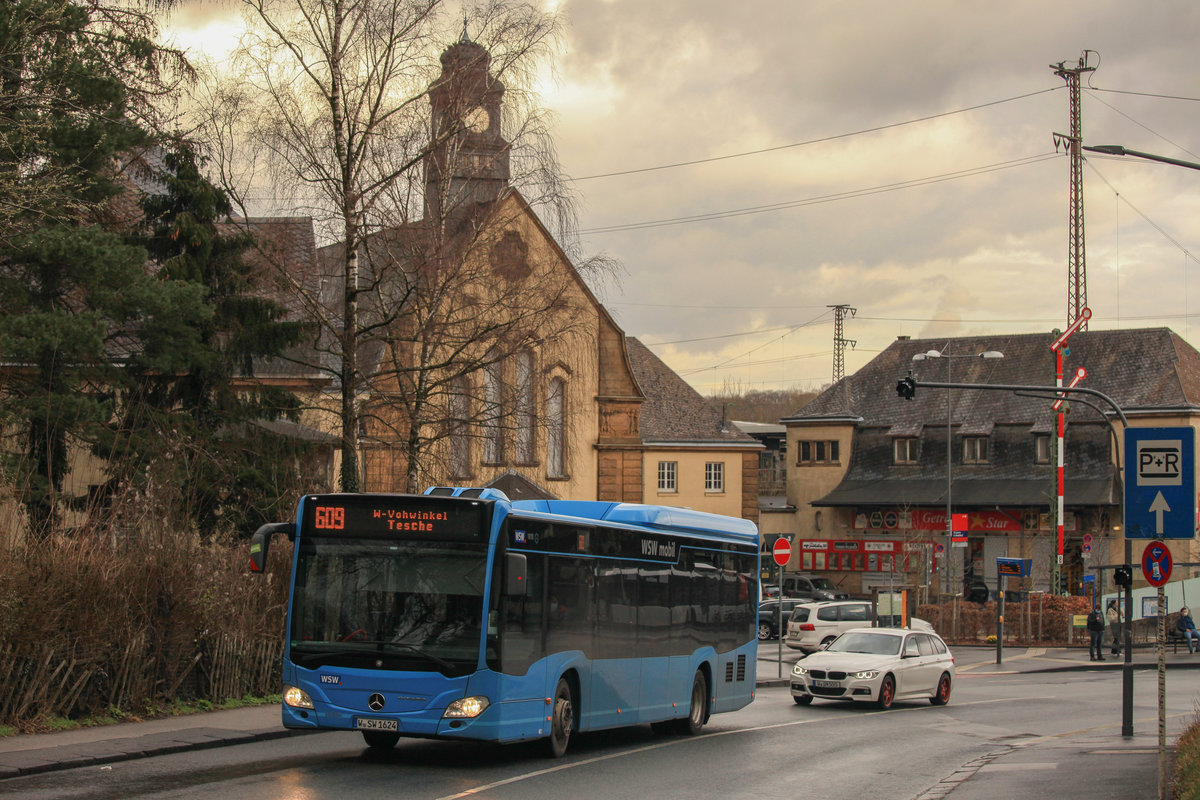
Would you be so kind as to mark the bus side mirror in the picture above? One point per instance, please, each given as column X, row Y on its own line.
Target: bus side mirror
column 514, row 575
column 260, row 543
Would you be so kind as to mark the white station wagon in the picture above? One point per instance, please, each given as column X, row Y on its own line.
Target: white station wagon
column 877, row 665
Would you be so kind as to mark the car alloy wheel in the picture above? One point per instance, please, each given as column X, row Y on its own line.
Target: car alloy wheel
column 942, row 695
column 887, row 693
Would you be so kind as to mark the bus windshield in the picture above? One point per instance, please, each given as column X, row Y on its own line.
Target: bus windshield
column 387, row 604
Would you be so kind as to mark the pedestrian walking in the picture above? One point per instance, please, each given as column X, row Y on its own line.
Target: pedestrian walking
column 1115, row 616
column 1095, row 626
column 1187, row 629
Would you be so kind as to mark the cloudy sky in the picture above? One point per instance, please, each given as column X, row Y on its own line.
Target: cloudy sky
column 895, row 156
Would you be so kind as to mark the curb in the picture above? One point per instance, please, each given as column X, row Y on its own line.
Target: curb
column 51, row 759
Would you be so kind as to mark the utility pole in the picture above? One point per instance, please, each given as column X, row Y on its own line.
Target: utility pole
column 839, row 342
column 1076, row 266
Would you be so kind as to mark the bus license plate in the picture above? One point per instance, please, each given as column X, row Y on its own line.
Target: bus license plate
column 376, row 724
column 826, row 684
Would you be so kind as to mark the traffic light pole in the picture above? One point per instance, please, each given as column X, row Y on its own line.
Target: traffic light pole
column 907, row 387
column 1127, row 666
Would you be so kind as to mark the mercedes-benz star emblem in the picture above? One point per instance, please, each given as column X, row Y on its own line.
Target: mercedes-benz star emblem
column 375, row 702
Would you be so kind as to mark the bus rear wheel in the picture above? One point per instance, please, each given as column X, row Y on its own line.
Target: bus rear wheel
column 380, row 740
column 698, row 709
column 562, row 720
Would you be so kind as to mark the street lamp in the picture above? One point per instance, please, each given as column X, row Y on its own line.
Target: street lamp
column 1118, row 150
column 931, row 354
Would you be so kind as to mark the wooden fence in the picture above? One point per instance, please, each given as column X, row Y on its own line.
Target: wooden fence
column 77, row 679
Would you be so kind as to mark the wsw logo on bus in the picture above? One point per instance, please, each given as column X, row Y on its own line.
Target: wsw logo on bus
column 656, row 549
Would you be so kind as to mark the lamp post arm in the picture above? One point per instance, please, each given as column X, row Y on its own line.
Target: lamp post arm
column 1009, row 387
column 1118, row 150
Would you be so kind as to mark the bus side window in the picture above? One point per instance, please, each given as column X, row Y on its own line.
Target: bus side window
column 569, row 620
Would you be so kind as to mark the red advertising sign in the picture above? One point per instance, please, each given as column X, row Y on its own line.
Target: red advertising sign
column 934, row 520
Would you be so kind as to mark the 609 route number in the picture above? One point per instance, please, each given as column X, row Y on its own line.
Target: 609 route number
column 329, row 518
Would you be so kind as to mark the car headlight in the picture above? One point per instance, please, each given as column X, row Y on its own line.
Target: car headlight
column 467, row 708
column 296, row 697
column 865, row 675
column 799, row 670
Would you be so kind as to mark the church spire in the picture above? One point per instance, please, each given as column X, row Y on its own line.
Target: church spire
column 469, row 162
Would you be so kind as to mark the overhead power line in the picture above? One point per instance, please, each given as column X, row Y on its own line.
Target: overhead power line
column 1146, row 94
column 1144, row 127
column 832, row 138
column 828, row 198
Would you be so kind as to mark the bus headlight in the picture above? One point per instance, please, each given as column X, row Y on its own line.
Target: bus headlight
column 466, row 708
column 296, row 697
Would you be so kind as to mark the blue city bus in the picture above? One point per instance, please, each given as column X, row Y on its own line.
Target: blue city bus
column 459, row 614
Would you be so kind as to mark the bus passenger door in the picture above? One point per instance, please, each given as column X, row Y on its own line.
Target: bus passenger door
column 615, row 673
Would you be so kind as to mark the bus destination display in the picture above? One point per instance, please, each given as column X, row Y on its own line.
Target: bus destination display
column 396, row 516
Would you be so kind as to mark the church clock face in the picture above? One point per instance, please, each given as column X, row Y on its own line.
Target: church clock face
column 477, row 120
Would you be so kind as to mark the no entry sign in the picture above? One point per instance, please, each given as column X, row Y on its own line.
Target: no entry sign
column 782, row 551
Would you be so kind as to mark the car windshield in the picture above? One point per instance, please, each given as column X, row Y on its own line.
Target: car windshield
column 823, row 583
column 878, row 644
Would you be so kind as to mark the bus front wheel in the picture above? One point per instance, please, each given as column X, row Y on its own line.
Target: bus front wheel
column 698, row 710
column 380, row 740
column 562, row 719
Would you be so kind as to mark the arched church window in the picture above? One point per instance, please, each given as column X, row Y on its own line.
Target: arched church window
column 460, row 413
column 493, row 409
column 556, row 429
column 526, row 418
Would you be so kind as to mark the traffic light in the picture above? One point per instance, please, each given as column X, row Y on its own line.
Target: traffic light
column 1123, row 576
column 906, row 388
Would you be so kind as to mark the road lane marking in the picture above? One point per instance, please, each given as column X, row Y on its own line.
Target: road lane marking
column 678, row 741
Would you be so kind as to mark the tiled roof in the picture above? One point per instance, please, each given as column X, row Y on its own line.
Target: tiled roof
column 1141, row 370
column 284, row 260
column 674, row 412
column 518, row 487
column 1010, row 478
column 1144, row 371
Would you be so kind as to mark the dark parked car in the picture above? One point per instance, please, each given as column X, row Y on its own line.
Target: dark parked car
column 978, row 592
column 768, row 616
column 811, row 587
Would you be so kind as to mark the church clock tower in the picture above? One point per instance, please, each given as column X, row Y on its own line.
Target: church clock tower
column 468, row 163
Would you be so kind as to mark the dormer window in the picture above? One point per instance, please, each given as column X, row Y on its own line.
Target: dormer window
column 1041, row 448
column 905, row 449
column 975, row 449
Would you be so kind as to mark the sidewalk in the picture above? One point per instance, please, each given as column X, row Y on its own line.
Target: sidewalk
column 34, row 753
column 981, row 660
column 46, row 752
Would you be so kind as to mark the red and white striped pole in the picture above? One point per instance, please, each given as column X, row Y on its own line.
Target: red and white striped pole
column 1058, row 347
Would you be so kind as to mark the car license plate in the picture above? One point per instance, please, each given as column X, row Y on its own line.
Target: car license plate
column 826, row 684
column 376, row 724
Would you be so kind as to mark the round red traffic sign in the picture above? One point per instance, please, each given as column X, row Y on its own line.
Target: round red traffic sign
column 1156, row 564
column 782, row 551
